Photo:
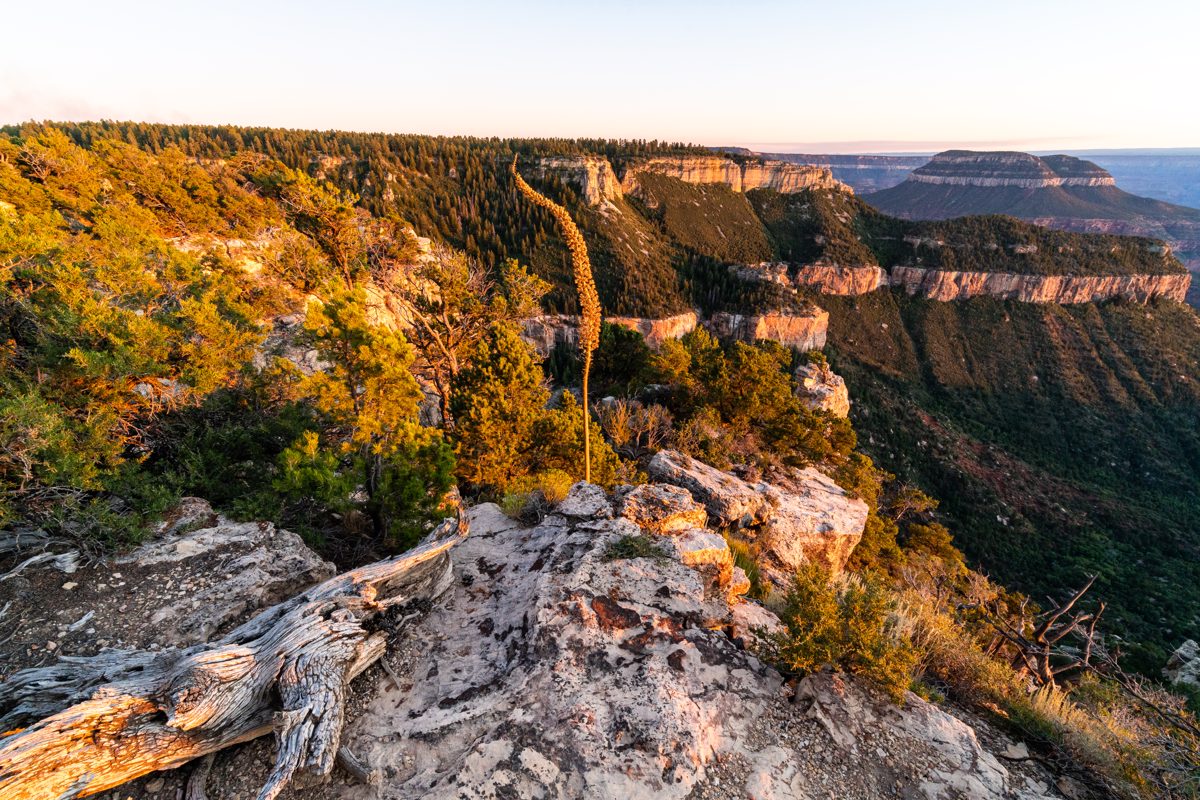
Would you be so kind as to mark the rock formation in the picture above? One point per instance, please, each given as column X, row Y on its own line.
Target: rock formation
column 553, row 668
column 804, row 516
column 822, row 389
column 946, row 285
column 593, row 176
column 971, row 168
column 1184, row 665
column 596, row 181
column 943, row 285
column 1056, row 191
column 801, row 330
column 820, row 278
column 548, row 330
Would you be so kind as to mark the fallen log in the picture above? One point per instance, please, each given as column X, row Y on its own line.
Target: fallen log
column 98, row 722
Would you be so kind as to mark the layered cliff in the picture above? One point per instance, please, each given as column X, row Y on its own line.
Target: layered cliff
column 597, row 181
column 800, row 329
column 740, row 176
column 548, row 330
column 970, row 168
column 820, row 278
column 946, row 285
column 593, row 176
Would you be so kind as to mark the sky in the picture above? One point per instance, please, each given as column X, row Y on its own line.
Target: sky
column 835, row 76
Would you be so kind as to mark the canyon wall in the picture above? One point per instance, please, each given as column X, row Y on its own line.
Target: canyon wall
column 596, row 181
column 821, row 278
column 593, row 176
column 805, row 330
column 778, row 175
column 801, row 331
column 947, row 285
column 544, row 332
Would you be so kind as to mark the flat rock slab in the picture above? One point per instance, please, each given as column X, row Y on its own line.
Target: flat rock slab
column 173, row 591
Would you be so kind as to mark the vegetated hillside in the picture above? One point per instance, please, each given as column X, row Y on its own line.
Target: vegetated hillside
column 456, row 190
column 710, row 219
column 914, row 200
column 839, row 228
column 1062, row 441
column 659, row 252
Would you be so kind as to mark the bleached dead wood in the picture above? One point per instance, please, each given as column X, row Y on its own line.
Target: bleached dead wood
column 99, row 722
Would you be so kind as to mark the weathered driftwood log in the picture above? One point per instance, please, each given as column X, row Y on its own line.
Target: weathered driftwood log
column 99, row 722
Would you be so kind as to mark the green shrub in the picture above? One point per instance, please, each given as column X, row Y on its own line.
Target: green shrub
column 743, row 556
column 513, row 504
column 845, row 624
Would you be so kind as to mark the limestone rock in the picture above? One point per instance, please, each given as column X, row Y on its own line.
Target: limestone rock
column 729, row 499
column 546, row 331
column 803, row 516
column 750, row 619
column 549, row 670
column 832, row 279
column 1184, row 665
column 662, row 508
column 953, row 762
column 739, row 584
column 812, row 519
column 800, row 330
column 822, row 389
column 218, row 573
column 585, row 500
column 946, row 285
column 706, row 551
column 741, row 177
column 552, row 672
column 202, row 575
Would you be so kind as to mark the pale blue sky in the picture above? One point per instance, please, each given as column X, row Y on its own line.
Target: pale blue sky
column 833, row 76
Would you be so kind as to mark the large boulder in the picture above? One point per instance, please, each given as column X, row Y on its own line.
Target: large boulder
column 801, row 516
column 822, row 389
column 1184, row 665
column 730, row 500
column 662, row 508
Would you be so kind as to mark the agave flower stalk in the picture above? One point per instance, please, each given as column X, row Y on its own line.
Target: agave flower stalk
column 589, row 300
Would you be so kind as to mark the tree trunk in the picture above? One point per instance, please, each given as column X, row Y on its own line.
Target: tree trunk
column 101, row 721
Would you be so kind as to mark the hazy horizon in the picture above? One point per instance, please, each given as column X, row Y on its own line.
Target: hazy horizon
column 848, row 77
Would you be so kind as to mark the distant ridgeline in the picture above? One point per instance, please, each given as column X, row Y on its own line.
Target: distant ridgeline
column 1057, row 191
column 675, row 228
